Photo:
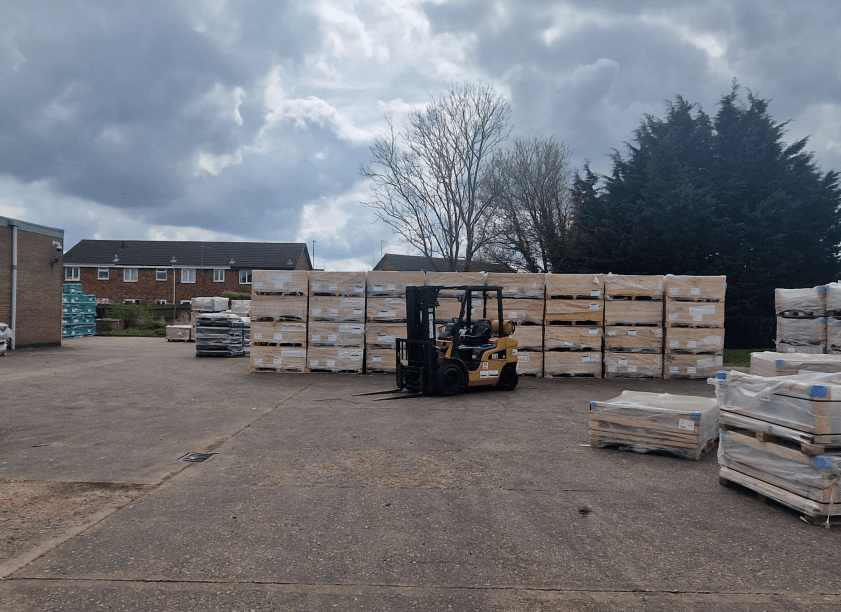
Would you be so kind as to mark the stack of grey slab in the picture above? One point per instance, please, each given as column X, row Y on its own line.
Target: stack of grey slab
column 219, row 334
column 801, row 320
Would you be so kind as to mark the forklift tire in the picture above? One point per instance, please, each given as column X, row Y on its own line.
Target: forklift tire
column 448, row 380
column 508, row 378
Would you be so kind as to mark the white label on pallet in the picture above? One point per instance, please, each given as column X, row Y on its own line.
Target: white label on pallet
column 377, row 288
column 359, row 289
column 695, row 291
column 674, row 370
column 357, row 311
column 585, row 359
column 332, row 337
column 257, row 336
column 691, row 370
column 391, row 287
column 258, row 361
column 278, row 336
column 702, row 310
column 316, row 286
column 674, row 344
column 316, row 312
column 686, row 424
column 299, row 352
column 385, row 338
column 316, row 338
column 524, row 357
column 376, row 359
column 334, row 312
column 611, row 368
column 278, row 284
column 632, row 332
column 258, row 284
column 593, row 332
column 595, row 293
column 513, row 314
column 513, row 289
column 632, row 368
column 352, row 303
column 672, row 316
column 594, row 306
column 334, row 286
column 623, row 362
column 277, row 361
column 568, row 343
column 674, row 290
column 691, row 344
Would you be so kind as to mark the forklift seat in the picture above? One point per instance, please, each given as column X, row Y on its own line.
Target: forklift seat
column 479, row 333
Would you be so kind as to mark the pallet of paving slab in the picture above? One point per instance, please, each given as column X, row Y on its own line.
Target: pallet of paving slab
column 640, row 444
column 807, row 443
column 815, row 513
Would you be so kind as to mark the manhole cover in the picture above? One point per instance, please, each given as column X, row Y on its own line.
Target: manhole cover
column 197, row 457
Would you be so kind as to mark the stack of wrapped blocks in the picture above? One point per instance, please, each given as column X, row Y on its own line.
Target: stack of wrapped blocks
column 781, row 438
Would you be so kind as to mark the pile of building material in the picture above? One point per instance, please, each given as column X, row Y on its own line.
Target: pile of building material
column 386, row 316
column 522, row 303
column 336, row 323
column 78, row 312
column 219, row 334
column 278, row 309
column 781, row 437
column 833, row 318
column 683, row 425
column 801, row 319
column 694, row 346
column 209, row 304
column 5, row 335
column 633, row 305
column 769, row 363
column 572, row 335
column 179, row 333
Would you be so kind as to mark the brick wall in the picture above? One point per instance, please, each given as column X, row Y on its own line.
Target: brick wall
column 147, row 289
column 39, row 288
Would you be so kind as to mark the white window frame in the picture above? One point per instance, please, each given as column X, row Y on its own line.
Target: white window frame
column 71, row 273
column 131, row 301
column 188, row 276
column 129, row 276
column 102, row 273
column 160, row 302
column 186, row 302
column 219, row 275
column 158, row 272
column 245, row 277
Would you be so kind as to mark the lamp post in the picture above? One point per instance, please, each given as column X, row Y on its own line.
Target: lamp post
column 313, row 252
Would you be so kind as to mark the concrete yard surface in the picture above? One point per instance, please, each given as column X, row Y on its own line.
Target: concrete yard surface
column 319, row 499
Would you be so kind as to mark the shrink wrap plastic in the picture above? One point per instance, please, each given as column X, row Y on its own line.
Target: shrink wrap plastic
column 811, row 301
column 645, row 422
column 349, row 284
column 770, row 364
column 809, row 402
column 336, row 334
column 279, row 332
column 574, row 285
column 571, row 338
column 794, row 332
column 515, row 286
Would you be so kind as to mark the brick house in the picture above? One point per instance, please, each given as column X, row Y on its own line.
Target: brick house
column 30, row 282
column 166, row 272
column 391, row 262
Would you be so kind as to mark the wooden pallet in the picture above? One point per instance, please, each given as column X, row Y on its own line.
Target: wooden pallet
column 814, row 513
column 651, row 444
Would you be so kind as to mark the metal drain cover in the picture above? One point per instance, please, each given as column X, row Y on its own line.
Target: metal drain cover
column 197, row 457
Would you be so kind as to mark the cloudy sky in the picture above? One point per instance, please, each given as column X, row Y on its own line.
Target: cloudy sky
column 249, row 119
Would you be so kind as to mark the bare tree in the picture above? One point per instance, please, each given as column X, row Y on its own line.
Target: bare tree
column 428, row 180
column 534, row 205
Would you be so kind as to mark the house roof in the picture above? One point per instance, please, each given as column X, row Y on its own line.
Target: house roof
column 415, row 263
column 141, row 253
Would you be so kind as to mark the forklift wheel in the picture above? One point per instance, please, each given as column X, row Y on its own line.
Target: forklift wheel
column 508, row 378
column 448, row 379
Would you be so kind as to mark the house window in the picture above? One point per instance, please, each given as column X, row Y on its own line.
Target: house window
column 186, row 303
column 160, row 302
column 245, row 277
column 218, row 276
column 129, row 276
column 71, row 273
column 130, row 301
column 188, row 275
column 160, row 274
column 102, row 274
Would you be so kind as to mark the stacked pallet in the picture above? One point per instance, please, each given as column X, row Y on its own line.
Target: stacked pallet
column 78, row 312
column 633, row 320
column 179, row 333
column 522, row 303
column 209, row 304
column 686, row 426
column 781, row 438
column 801, row 320
column 833, row 318
column 694, row 346
column 572, row 334
column 336, row 321
column 386, row 316
column 278, row 309
column 448, row 300
column 219, row 334
column 769, row 363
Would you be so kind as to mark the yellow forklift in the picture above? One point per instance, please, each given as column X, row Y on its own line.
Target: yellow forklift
column 462, row 353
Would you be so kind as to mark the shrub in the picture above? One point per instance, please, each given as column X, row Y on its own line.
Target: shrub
column 132, row 314
column 236, row 296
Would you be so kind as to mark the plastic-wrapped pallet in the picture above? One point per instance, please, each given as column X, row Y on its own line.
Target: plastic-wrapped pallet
column 676, row 365
column 832, row 295
column 269, row 308
column 574, row 286
column 179, row 333
column 280, row 282
column 382, row 284
column 570, row 338
column 518, row 286
column 629, row 286
column 380, row 346
column 447, row 279
column 633, row 365
column 682, row 425
column 520, row 311
column 572, row 364
column 278, row 333
column 386, row 309
column 801, row 335
column 688, row 340
column 219, row 335
column 241, row 307
column 347, row 284
column 209, row 304
column 5, row 336
column 278, row 358
column 808, row 302
column 695, row 288
column 781, row 437
column 769, row 364
column 633, row 339
column 833, row 335
column 325, row 334
column 529, row 363
column 334, row 359
column 337, row 309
